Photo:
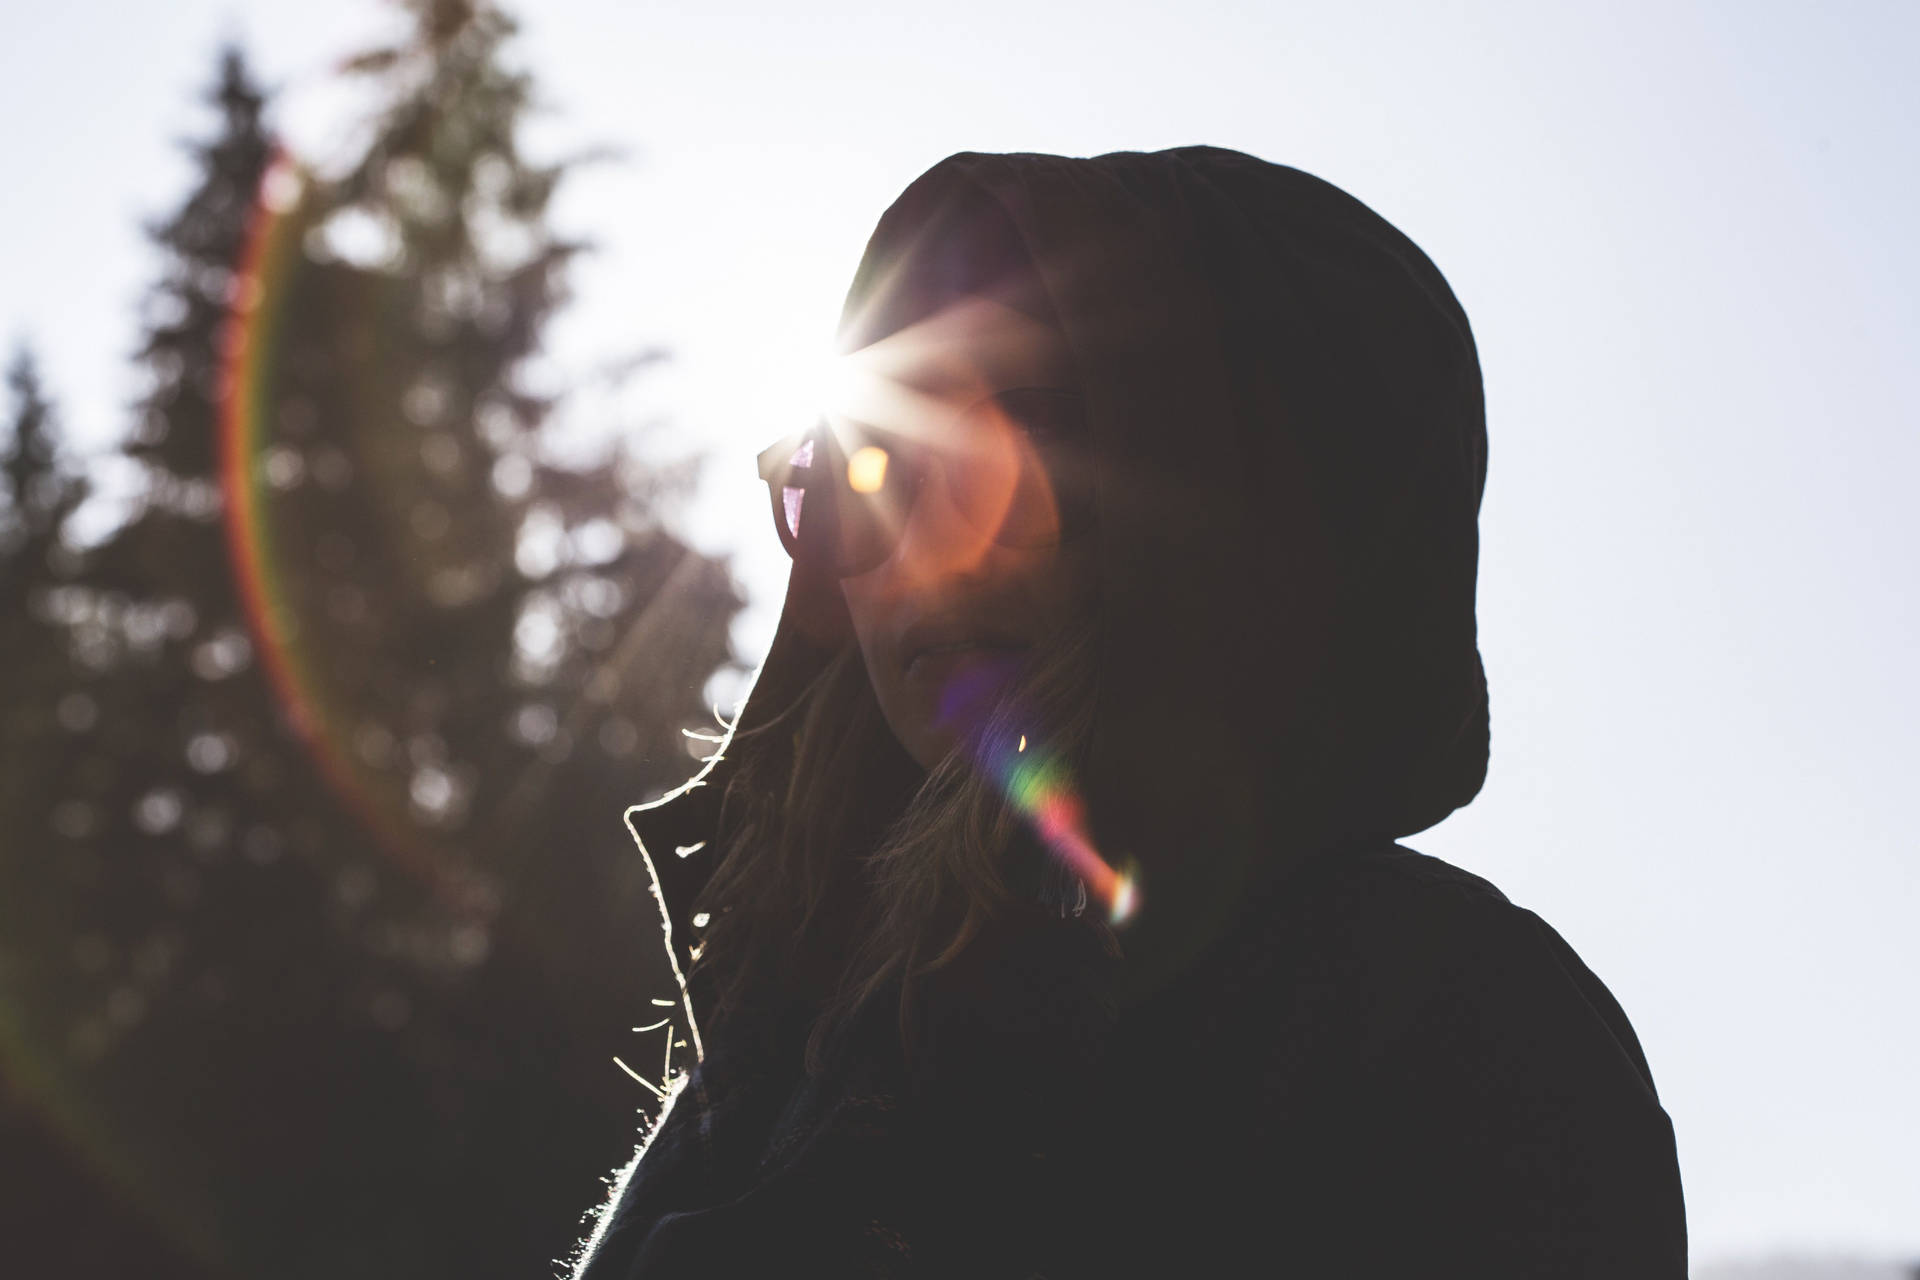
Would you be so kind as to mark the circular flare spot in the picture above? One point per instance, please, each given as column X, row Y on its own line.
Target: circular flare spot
column 867, row 469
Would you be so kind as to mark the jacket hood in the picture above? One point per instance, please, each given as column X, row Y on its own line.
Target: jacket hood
column 1288, row 430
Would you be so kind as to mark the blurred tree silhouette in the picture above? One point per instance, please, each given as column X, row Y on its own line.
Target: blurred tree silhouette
column 40, row 492
column 322, row 930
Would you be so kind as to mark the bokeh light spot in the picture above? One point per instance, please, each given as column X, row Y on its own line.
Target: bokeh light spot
column 158, row 811
column 867, row 469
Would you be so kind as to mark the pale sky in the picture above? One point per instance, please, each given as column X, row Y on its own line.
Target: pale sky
column 1682, row 234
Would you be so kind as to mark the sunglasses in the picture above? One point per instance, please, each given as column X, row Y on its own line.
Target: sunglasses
column 1013, row 463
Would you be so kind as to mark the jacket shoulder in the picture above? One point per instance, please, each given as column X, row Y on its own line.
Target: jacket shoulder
column 1487, row 1081
column 1445, row 938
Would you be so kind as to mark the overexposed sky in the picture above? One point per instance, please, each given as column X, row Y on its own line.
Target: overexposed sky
column 1682, row 234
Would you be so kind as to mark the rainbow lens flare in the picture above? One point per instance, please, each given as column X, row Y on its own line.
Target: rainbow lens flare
column 248, row 379
column 1037, row 783
column 1041, row 790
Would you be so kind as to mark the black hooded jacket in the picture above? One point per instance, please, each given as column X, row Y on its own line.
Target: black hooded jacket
column 1321, row 1053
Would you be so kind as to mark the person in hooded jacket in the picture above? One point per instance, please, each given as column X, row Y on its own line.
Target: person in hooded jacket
column 1041, row 913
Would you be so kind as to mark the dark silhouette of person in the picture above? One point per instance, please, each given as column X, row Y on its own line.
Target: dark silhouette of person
column 1042, row 913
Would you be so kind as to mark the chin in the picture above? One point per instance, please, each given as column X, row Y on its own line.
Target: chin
column 928, row 752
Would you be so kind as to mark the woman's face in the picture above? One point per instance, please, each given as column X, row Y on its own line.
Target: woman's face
column 947, row 619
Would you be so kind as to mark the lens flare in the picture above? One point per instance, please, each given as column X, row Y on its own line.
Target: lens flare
column 248, row 382
column 1040, row 788
column 867, row 469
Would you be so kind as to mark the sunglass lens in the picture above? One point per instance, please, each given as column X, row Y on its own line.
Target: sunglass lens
column 1017, row 470
column 791, row 495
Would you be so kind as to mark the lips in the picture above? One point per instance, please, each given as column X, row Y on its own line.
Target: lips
column 942, row 657
column 937, row 639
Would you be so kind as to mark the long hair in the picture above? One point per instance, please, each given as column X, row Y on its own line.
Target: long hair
column 843, row 869
column 844, row 872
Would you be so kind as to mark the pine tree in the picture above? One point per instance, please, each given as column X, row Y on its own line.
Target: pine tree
column 173, row 820
column 38, row 495
column 40, row 492
column 514, row 644
column 58, row 1214
column 338, row 921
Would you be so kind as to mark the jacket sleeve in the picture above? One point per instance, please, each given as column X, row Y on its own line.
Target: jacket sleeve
column 1518, row 1131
